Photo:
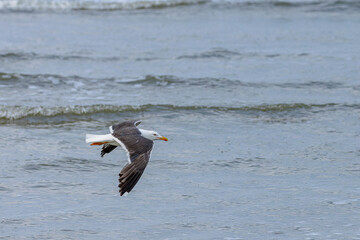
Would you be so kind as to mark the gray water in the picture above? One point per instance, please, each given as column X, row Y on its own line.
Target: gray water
column 260, row 101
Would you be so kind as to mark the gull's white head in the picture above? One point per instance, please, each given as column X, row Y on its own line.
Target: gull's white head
column 152, row 135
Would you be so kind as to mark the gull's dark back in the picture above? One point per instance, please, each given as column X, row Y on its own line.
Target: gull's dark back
column 125, row 125
column 121, row 129
column 131, row 137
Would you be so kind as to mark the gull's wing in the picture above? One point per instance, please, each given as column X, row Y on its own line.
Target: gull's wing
column 106, row 149
column 132, row 172
column 126, row 124
column 138, row 150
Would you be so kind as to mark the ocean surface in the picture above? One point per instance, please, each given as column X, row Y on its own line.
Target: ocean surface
column 260, row 100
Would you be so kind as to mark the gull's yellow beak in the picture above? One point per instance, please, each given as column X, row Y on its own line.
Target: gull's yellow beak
column 163, row 138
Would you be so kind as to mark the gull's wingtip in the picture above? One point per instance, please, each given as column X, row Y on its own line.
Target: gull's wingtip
column 137, row 122
column 124, row 194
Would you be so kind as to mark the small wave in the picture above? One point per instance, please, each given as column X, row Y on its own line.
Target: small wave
column 308, row 5
column 53, row 80
column 341, row 6
column 63, row 114
column 115, row 5
column 97, row 5
column 21, row 112
column 161, row 80
column 218, row 53
column 315, row 84
column 148, row 80
column 28, row 77
column 231, row 54
column 170, row 80
column 215, row 53
column 40, row 80
column 16, row 56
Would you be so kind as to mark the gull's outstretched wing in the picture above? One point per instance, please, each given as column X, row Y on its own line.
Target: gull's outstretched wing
column 132, row 172
column 138, row 150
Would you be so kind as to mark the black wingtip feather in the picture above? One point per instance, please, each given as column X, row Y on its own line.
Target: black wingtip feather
column 107, row 148
column 131, row 182
column 132, row 172
column 128, row 183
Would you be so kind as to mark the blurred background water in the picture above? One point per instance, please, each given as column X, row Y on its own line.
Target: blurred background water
column 260, row 101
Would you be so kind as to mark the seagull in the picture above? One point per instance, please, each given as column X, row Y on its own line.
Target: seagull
column 136, row 142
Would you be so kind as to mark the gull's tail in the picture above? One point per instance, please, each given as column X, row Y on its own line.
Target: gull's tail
column 99, row 139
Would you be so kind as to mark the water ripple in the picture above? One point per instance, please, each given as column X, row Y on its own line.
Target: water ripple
column 68, row 164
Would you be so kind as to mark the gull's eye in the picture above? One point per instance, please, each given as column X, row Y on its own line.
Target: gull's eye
column 154, row 134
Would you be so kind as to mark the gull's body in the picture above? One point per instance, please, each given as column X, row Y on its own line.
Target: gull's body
column 136, row 142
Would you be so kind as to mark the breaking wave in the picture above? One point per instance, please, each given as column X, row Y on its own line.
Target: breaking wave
column 63, row 114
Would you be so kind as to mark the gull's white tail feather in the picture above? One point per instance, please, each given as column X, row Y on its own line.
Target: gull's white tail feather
column 92, row 138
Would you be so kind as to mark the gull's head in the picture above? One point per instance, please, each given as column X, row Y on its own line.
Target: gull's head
column 152, row 135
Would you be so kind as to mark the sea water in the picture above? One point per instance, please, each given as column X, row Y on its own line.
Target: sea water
column 260, row 101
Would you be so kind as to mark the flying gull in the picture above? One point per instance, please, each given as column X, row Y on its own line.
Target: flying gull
column 136, row 142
